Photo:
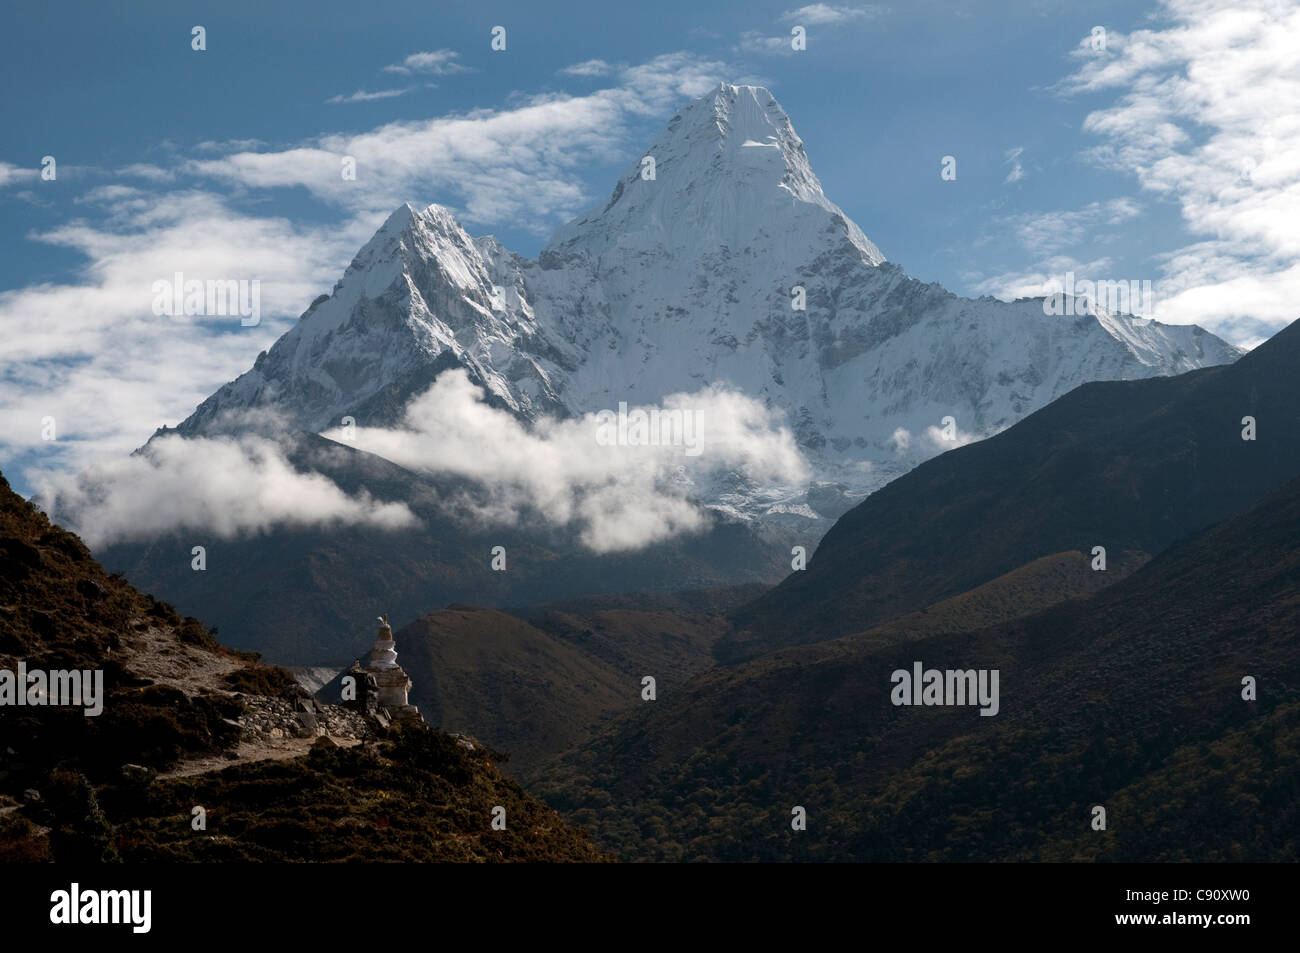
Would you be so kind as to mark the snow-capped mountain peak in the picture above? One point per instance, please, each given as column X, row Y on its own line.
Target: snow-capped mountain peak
column 720, row 261
column 727, row 169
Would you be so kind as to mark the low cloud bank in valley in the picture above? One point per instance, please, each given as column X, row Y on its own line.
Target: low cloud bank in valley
column 622, row 477
column 624, row 485
column 225, row 486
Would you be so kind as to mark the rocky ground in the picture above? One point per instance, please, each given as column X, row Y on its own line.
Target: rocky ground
column 271, row 727
column 275, row 728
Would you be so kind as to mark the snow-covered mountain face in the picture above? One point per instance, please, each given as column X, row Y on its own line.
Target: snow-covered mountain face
column 417, row 298
column 690, row 275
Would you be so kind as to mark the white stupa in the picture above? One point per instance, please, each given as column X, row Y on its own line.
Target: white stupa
column 392, row 681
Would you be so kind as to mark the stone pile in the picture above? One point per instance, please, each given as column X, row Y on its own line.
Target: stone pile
column 267, row 720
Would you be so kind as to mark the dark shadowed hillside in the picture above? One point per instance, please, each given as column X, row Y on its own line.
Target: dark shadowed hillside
column 1128, row 465
column 1130, row 699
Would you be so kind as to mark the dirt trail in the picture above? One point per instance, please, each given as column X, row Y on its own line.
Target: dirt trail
column 280, row 750
column 158, row 654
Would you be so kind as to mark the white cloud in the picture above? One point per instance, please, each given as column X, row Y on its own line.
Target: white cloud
column 819, row 13
column 111, row 195
column 437, row 62
column 146, row 170
column 755, row 41
column 620, row 497
column 1049, row 235
column 93, row 355
column 90, row 352
column 1044, row 277
column 589, row 68
column 520, row 164
column 1201, row 120
column 223, row 487
column 935, row 440
column 362, row 96
column 13, row 175
column 229, row 145
column 1053, row 231
column 942, row 440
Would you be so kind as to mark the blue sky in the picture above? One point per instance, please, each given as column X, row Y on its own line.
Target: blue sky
column 1173, row 154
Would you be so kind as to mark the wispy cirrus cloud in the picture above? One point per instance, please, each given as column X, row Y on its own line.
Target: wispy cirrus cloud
column 759, row 42
column 1042, row 278
column 1017, row 170
column 364, row 96
column 229, row 145
column 756, row 41
column 1056, row 239
column 430, row 62
column 147, row 170
column 1054, row 231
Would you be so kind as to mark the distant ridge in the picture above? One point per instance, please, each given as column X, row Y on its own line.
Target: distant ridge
column 1133, row 465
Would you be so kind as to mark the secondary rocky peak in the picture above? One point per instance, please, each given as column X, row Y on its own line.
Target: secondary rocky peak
column 406, row 229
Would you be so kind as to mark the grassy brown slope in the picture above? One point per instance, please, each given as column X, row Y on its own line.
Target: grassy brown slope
column 499, row 678
column 670, row 645
column 1031, row 588
column 60, row 610
column 539, row 682
column 1129, row 699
